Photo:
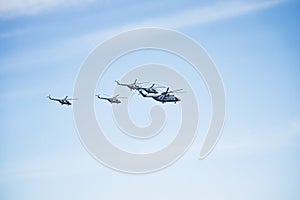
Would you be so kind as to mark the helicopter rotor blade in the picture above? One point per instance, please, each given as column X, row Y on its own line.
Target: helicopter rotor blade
column 159, row 87
column 103, row 94
column 72, row 99
column 141, row 83
column 176, row 91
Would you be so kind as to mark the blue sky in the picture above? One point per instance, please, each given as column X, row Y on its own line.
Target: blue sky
column 255, row 45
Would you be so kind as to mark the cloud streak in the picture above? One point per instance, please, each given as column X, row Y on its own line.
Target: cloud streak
column 190, row 18
column 12, row 8
column 215, row 12
column 193, row 17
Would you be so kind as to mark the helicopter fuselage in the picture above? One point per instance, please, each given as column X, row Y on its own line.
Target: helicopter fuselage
column 64, row 101
column 111, row 100
column 163, row 98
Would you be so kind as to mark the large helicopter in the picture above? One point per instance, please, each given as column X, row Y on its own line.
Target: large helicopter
column 131, row 86
column 163, row 97
column 64, row 101
column 114, row 99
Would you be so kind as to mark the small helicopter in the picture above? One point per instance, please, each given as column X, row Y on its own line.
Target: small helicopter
column 111, row 100
column 151, row 89
column 64, row 101
column 131, row 86
column 163, row 97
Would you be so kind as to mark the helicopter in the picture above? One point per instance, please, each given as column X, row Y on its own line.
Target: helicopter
column 163, row 97
column 64, row 101
column 151, row 89
column 131, row 86
column 114, row 99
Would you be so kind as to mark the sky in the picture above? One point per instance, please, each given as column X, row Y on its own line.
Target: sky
column 255, row 46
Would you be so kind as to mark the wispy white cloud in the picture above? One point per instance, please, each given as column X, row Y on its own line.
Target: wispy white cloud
column 186, row 19
column 10, row 8
column 193, row 17
column 214, row 12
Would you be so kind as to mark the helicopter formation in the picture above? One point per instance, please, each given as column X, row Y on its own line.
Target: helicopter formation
column 153, row 92
column 146, row 92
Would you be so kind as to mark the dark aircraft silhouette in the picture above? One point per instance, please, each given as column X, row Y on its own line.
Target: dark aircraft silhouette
column 163, row 97
column 64, row 101
column 151, row 89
